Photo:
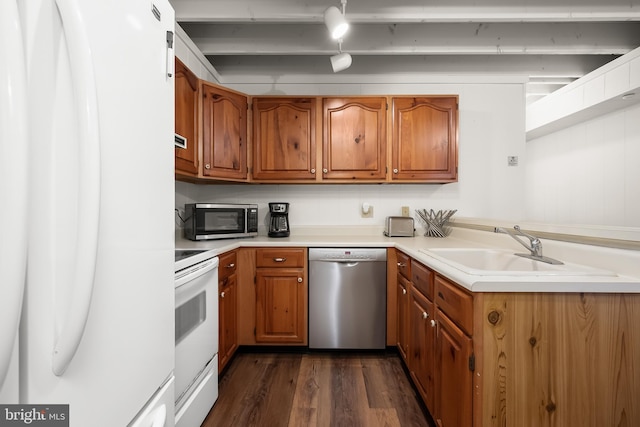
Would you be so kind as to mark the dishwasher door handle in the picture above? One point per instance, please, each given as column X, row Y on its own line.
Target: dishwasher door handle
column 349, row 263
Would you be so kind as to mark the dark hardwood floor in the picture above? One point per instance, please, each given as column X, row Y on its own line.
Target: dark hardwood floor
column 316, row 389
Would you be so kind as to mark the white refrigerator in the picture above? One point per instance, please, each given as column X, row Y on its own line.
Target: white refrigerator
column 87, row 209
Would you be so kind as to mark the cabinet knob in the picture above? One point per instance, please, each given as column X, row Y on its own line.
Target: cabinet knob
column 207, row 166
column 395, row 170
column 325, row 170
column 299, row 279
column 401, row 265
column 313, row 170
column 279, row 259
column 404, row 292
column 230, row 265
column 425, row 315
column 433, row 323
column 222, row 294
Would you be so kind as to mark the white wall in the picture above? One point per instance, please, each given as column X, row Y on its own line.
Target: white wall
column 587, row 173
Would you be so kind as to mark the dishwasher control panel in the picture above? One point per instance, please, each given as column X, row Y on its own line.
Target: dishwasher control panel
column 347, row 254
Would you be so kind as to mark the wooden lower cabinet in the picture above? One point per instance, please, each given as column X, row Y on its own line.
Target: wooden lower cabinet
column 422, row 346
column 402, row 296
column 454, row 388
column 280, row 302
column 227, row 306
column 438, row 352
column 281, row 296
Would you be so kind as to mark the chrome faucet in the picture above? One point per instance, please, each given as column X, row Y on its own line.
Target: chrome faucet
column 534, row 246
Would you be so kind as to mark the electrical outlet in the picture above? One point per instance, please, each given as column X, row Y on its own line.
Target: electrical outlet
column 366, row 211
column 405, row 211
column 512, row 160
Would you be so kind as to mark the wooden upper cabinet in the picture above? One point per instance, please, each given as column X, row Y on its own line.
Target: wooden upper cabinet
column 425, row 139
column 354, row 138
column 186, row 119
column 224, row 133
column 284, row 138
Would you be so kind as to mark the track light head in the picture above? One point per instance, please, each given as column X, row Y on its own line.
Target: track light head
column 335, row 22
column 340, row 62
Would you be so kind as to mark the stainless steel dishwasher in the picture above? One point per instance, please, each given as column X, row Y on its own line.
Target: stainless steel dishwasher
column 347, row 298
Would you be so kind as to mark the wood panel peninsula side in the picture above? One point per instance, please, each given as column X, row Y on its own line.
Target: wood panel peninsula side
column 558, row 359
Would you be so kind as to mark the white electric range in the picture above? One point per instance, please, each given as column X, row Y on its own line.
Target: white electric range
column 196, row 335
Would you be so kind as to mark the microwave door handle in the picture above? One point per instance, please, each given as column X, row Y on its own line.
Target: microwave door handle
column 13, row 178
column 68, row 339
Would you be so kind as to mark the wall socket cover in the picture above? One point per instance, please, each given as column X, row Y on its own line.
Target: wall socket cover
column 405, row 211
column 512, row 160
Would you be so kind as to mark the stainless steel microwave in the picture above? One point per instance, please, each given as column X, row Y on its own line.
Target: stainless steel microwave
column 205, row 221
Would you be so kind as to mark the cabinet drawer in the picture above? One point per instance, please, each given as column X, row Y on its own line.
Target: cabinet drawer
column 280, row 257
column 422, row 279
column 455, row 302
column 404, row 264
column 228, row 265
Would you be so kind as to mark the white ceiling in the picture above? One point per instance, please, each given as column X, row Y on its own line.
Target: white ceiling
column 549, row 42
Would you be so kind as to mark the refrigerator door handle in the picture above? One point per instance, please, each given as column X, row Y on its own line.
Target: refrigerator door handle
column 13, row 178
column 83, row 76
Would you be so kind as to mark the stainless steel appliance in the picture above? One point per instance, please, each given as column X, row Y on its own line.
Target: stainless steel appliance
column 347, row 298
column 279, row 221
column 205, row 221
column 196, row 335
column 399, row 226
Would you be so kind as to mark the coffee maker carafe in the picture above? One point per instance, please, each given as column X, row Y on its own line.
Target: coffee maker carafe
column 279, row 222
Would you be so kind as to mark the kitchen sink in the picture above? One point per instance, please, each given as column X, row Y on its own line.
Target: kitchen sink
column 494, row 262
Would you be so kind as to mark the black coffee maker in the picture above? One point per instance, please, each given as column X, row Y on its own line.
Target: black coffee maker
column 279, row 221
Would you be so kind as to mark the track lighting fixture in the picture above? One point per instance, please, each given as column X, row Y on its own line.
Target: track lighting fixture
column 341, row 61
column 335, row 21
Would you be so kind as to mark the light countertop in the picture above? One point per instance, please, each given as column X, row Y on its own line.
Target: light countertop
column 624, row 263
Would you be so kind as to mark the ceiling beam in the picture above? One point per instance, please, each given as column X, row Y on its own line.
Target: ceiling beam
column 406, row 11
column 419, row 39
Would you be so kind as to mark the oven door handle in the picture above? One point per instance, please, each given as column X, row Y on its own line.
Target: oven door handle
column 190, row 273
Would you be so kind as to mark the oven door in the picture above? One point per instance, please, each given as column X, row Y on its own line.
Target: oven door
column 196, row 321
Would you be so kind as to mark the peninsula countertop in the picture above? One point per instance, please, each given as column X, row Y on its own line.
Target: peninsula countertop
column 623, row 265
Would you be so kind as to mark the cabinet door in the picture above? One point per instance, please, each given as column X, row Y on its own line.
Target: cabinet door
column 425, row 139
column 186, row 119
column 403, row 316
column 422, row 346
column 281, row 301
column 454, row 391
column 224, row 133
column 354, row 138
column 228, row 328
column 284, row 138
